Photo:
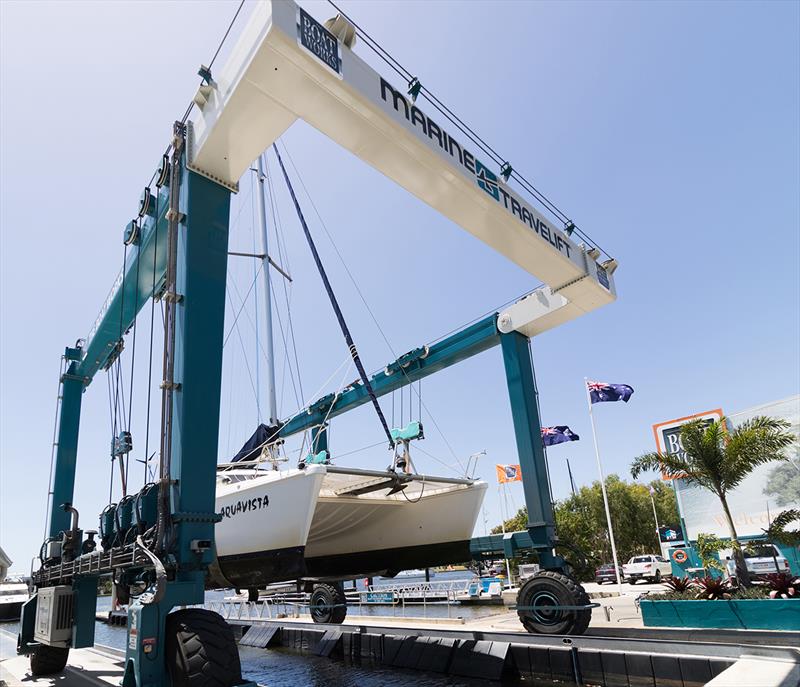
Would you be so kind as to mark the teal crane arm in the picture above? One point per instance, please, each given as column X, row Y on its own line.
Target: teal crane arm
column 141, row 277
column 409, row 368
column 518, row 365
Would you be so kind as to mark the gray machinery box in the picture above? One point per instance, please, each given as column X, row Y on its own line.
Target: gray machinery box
column 54, row 616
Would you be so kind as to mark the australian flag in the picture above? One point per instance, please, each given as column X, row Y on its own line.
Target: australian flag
column 558, row 435
column 600, row 392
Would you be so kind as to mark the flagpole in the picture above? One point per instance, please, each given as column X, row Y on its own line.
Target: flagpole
column 508, row 565
column 617, row 569
column 655, row 515
column 571, row 481
column 503, row 508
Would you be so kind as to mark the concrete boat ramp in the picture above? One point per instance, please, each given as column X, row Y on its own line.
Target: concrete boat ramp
column 613, row 658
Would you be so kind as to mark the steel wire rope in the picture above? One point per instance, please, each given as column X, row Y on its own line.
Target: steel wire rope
column 239, row 312
column 111, row 418
column 241, row 342
column 114, row 369
column 333, row 402
column 324, row 384
column 242, row 309
column 62, row 367
column 366, row 305
column 133, row 355
column 464, row 128
column 286, row 353
column 283, row 255
column 146, row 460
column 343, row 326
column 192, row 103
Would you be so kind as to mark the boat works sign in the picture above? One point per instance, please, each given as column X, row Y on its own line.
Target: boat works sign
column 765, row 492
column 668, row 434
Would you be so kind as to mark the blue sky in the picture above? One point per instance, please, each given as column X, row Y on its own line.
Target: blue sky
column 668, row 131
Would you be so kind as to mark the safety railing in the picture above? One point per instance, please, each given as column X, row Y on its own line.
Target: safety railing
column 399, row 597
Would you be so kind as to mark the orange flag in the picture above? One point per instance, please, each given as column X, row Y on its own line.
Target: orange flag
column 508, row 473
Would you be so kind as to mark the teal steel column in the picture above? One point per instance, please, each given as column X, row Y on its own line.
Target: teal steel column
column 69, row 421
column 202, row 259
column 202, row 268
column 527, row 428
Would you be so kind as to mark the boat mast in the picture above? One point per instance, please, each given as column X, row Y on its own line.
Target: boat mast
column 262, row 213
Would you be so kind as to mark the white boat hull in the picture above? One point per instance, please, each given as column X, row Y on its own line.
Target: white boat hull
column 291, row 524
column 385, row 533
column 266, row 516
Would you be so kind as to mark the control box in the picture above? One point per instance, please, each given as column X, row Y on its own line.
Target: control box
column 54, row 614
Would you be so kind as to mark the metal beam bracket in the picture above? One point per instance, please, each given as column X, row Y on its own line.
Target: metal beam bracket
column 188, row 516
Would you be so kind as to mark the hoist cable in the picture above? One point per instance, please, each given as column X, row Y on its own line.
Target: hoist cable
column 150, row 352
column 366, row 305
column 62, row 367
column 335, row 304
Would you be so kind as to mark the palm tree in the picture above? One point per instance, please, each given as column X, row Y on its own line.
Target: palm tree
column 719, row 460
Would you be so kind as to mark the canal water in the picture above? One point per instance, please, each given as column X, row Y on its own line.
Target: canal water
column 284, row 668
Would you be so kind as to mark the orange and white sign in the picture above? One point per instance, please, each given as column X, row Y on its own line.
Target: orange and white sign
column 508, row 473
column 668, row 434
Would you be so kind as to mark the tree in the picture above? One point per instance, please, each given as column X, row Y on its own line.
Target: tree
column 783, row 483
column 779, row 531
column 719, row 461
column 581, row 519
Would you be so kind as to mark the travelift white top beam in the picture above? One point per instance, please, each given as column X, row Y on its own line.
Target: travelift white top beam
column 286, row 66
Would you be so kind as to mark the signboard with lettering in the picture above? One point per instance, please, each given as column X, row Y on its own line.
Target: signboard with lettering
column 379, row 598
column 668, row 434
column 670, row 534
column 320, row 42
column 769, row 489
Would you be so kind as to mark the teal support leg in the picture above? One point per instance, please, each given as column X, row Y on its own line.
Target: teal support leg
column 527, row 429
column 202, row 270
column 144, row 661
column 84, row 610
column 202, row 256
column 67, row 450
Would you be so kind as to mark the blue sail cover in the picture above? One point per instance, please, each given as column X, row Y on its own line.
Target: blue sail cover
column 252, row 447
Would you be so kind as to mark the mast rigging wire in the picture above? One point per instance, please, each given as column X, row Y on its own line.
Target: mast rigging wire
column 369, row 310
column 339, row 316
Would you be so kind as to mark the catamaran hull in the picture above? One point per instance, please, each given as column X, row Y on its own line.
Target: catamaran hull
column 387, row 561
column 350, row 537
column 266, row 518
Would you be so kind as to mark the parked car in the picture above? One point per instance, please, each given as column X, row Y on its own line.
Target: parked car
column 605, row 573
column 761, row 559
column 647, row 567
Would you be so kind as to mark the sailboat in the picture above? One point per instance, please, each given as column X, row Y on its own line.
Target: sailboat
column 329, row 522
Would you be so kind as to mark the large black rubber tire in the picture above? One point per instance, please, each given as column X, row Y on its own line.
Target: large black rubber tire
column 48, row 660
column 328, row 603
column 547, row 589
column 201, row 650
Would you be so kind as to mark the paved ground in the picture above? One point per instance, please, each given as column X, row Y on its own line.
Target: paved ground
column 87, row 668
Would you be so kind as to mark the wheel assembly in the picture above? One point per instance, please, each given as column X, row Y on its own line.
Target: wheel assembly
column 548, row 604
column 328, row 603
column 48, row 660
column 201, row 650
